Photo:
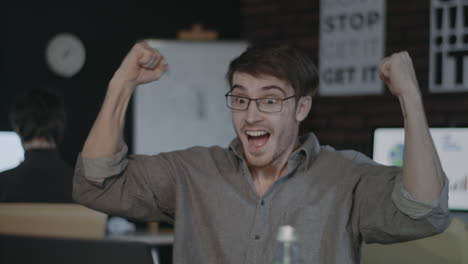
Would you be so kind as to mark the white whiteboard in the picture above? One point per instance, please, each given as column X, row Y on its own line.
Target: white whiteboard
column 186, row 107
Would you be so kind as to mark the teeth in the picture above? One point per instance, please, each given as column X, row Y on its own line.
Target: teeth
column 256, row 133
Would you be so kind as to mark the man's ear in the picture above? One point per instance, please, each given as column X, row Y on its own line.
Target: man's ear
column 303, row 107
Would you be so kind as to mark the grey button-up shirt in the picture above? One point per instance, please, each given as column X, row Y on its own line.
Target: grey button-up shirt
column 334, row 199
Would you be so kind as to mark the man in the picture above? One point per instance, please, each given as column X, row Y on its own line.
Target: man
column 38, row 117
column 227, row 204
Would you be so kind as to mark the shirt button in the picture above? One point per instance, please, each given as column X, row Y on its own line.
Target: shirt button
column 257, row 237
column 262, row 202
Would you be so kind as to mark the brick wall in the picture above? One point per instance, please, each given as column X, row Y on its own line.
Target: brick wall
column 348, row 122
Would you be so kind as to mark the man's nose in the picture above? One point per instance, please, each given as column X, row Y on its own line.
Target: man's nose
column 252, row 113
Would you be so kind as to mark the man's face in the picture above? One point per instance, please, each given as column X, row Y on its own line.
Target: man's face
column 267, row 138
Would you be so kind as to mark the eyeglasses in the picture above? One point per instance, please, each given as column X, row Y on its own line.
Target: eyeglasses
column 266, row 105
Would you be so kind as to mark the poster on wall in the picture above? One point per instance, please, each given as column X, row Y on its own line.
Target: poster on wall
column 186, row 107
column 352, row 42
column 448, row 71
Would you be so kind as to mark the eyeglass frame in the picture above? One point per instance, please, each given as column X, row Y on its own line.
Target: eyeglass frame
column 228, row 94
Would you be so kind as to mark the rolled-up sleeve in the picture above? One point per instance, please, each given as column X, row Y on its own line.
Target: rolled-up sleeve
column 97, row 170
column 414, row 208
column 386, row 213
column 139, row 187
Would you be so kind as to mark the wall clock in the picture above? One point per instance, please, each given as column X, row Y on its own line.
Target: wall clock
column 65, row 54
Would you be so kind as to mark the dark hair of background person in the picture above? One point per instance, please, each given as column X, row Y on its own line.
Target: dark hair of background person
column 283, row 61
column 38, row 113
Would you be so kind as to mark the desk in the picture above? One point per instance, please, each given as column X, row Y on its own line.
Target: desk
column 153, row 239
column 31, row 249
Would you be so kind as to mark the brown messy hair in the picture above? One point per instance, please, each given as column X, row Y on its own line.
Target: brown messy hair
column 282, row 61
column 38, row 113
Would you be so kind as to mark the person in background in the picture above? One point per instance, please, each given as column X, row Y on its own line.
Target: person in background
column 38, row 117
column 228, row 203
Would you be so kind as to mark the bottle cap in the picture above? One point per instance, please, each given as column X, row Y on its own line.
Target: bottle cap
column 286, row 233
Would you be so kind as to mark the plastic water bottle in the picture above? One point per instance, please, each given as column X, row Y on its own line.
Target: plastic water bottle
column 287, row 251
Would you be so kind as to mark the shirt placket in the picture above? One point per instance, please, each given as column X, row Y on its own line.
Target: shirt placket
column 257, row 232
column 261, row 219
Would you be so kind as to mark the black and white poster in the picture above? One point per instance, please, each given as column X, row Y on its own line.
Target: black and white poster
column 448, row 70
column 352, row 42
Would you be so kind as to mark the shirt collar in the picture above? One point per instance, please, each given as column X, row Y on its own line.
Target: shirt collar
column 310, row 148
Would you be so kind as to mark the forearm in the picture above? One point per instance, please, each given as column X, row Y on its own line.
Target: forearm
column 106, row 135
column 142, row 64
column 422, row 172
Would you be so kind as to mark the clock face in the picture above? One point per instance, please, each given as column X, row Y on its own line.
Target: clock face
column 65, row 54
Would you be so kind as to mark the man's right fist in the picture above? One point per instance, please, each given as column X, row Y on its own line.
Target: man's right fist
column 143, row 64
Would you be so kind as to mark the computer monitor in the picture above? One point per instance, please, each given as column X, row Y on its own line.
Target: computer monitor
column 11, row 150
column 452, row 147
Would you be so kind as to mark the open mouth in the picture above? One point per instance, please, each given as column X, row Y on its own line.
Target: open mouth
column 257, row 139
